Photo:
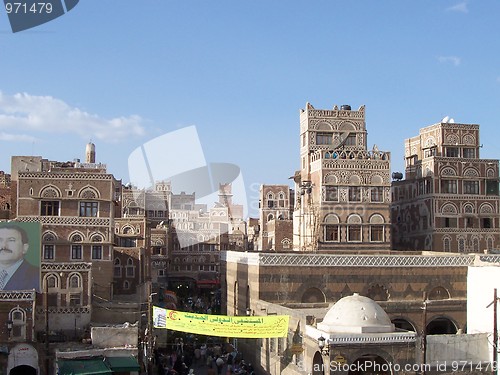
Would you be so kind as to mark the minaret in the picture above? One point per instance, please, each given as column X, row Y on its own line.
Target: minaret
column 225, row 195
column 90, row 153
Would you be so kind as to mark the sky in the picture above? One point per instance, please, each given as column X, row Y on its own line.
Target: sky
column 121, row 73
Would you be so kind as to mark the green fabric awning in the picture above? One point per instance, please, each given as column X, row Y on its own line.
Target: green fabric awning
column 83, row 367
column 123, row 364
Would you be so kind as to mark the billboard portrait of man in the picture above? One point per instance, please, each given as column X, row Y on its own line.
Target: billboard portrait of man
column 19, row 256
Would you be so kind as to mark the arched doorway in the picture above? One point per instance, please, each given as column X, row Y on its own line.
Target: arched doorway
column 318, row 364
column 23, row 370
column 23, row 359
column 441, row 326
column 313, row 295
column 404, row 324
column 370, row 364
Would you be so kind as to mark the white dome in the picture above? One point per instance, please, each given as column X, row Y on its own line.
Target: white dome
column 356, row 314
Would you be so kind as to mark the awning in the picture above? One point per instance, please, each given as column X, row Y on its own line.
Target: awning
column 123, row 364
column 207, row 282
column 83, row 367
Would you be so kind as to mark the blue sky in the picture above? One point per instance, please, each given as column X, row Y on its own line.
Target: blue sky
column 122, row 72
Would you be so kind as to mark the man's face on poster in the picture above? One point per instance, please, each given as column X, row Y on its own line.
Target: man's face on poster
column 11, row 246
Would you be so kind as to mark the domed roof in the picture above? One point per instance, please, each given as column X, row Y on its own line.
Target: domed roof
column 356, row 314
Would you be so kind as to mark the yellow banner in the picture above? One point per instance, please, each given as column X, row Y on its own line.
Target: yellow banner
column 221, row 325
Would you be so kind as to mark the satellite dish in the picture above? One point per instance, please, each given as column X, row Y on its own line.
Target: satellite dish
column 445, row 120
column 452, row 121
column 340, row 140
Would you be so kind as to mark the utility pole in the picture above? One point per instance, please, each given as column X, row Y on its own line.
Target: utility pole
column 149, row 325
column 424, row 334
column 47, row 333
column 495, row 328
column 148, row 338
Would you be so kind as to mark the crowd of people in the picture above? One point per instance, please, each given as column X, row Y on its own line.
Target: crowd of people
column 213, row 358
column 189, row 354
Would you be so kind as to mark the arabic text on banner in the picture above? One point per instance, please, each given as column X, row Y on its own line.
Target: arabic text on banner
column 221, row 325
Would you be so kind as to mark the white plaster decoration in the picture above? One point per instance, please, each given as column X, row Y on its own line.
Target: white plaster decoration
column 448, row 171
column 329, row 260
column 471, row 172
column 469, row 140
column 50, row 192
column 451, row 139
column 486, row 208
column 65, row 176
column 449, row 208
column 468, row 208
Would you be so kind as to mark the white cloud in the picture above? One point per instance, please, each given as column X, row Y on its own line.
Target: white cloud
column 16, row 137
column 460, row 7
column 450, row 60
column 24, row 113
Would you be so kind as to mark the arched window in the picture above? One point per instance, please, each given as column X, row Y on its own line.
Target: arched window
column 88, row 193
column 128, row 230
column 286, row 243
column 76, row 238
column 331, row 179
column 354, row 233
column 50, row 192
column 117, row 268
column 475, row 244
column 376, row 228
column 489, row 243
column 49, row 237
column 331, row 228
column 96, row 248
column 439, row 292
column 75, row 281
column 49, row 248
column 52, row 281
column 446, row 244
column 461, row 245
column 281, row 199
column 18, row 318
column 130, row 268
